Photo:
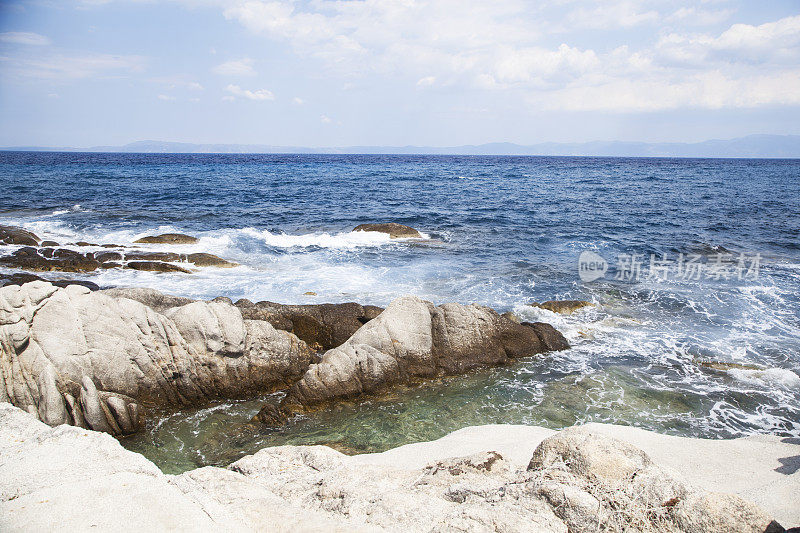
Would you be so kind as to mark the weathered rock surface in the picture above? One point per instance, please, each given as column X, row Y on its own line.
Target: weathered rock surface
column 152, row 298
column 563, row 306
column 578, row 480
column 168, row 238
column 16, row 235
column 322, row 326
column 86, row 358
column 415, row 339
column 395, row 230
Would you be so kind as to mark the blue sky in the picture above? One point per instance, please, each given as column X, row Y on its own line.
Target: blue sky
column 396, row 72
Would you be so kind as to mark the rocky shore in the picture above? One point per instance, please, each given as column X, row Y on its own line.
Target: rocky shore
column 100, row 359
column 486, row 478
column 79, row 364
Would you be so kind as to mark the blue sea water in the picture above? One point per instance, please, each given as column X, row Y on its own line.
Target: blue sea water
column 499, row 231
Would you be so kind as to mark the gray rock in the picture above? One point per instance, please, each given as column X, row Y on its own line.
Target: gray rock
column 168, row 238
column 393, row 229
column 86, row 358
column 414, row 339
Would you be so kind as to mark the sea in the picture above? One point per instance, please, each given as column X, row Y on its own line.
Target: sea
column 693, row 267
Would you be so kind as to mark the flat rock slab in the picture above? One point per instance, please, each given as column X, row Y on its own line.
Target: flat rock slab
column 72, row 479
column 763, row 469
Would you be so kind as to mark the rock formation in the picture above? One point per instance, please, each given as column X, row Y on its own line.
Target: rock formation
column 168, row 238
column 98, row 359
column 563, row 306
column 414, row 339
column 66, row 260
column 15, row 235
column 322, row 326
column 86, row 358
column 577, row 481
column 393, row 229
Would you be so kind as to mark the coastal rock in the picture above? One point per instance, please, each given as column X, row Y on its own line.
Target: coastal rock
column 321, row 326
column 156, row 266
column 21, row 278
column 168, row 238
column 579, row 480
column 414, row 339
column 16, row 235
column 50, row 259
column 209, row 260
column 395, row 230
column 552, row 339
column 565, row 307
column 66, row 260
column 86, row 358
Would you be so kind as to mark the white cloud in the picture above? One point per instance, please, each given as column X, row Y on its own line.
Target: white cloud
column 64, row 67
column 325, row 119
column 499, row 46
column 693, row 16
column 260, row 94
column 239, row 67
column 298, row 101
column 22, row 37
column 765, row 45
column 610, row 15
column 166, row 98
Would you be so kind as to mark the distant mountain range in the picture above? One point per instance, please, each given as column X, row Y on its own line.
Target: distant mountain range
column 756, row 146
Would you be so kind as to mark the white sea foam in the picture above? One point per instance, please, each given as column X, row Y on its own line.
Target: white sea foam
column 347, row 240
column 780, row 377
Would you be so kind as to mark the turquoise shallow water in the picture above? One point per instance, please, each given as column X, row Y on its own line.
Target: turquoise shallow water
column 502, row 231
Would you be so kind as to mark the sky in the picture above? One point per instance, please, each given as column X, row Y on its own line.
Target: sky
column 82, row 73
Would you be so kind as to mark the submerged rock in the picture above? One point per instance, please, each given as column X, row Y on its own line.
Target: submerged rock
column 16, row 235
column 89, row 359
column 395, row 230
column 563, row 306
column 168, row 238
column 414, row 339
column 577, row 481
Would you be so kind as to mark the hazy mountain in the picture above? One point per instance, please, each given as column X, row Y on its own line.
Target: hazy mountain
column 771, row 146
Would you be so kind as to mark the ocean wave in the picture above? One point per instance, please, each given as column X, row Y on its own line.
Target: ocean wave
column 346, row 240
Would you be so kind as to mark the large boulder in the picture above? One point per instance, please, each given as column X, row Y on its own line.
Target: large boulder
column 412, row 339
column 393, row 229
column 597, row 482
column 168, row 238
column 322, row 326
column 16, row 235
column 86, row 358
